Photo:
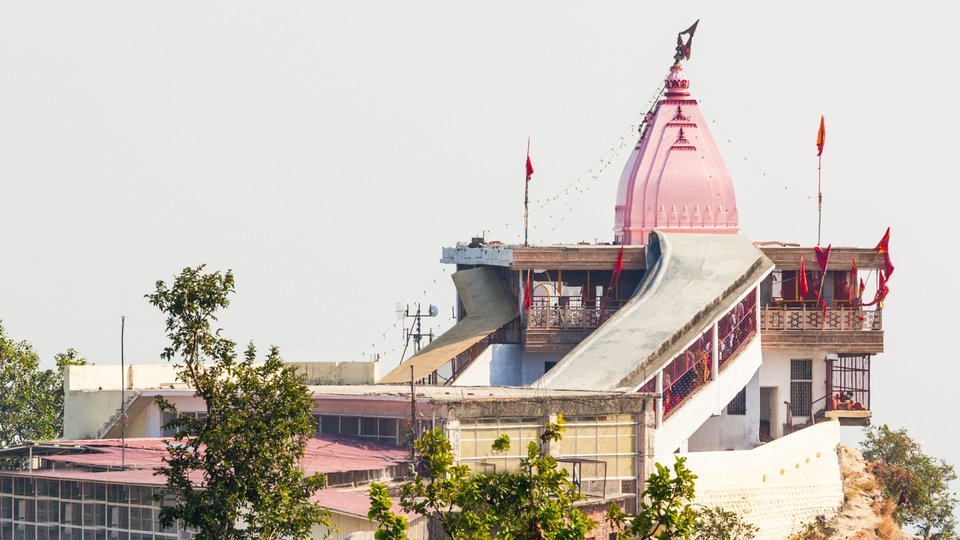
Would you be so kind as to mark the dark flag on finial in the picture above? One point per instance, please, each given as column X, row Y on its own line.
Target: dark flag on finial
column 683, row 49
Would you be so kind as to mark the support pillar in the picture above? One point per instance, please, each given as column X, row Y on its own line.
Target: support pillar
column 659, row 400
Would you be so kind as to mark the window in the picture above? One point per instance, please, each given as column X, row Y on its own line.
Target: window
column 738, row 405
column 384, row 430
column 547, row 366
column 167, row 417
column 801, row 387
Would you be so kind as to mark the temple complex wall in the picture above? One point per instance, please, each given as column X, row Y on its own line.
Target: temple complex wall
column 778, row 486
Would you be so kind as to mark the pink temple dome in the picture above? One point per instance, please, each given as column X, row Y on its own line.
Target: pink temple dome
column 675, row 179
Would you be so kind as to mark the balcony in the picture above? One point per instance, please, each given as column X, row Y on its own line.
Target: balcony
column 560, row 325
column 791, row 327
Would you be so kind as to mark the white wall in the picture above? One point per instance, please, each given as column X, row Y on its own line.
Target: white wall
column 153, row 376
column 84, row 413
column 731, row 431
column 777, row 486
column 713, row 396
column 505, row 364
column 775, row 372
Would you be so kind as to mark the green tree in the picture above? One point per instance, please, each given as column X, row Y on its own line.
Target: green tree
column 534, row 502
column 31, row 399
column 916, row 482
column 665, row 511
column 248, row 449
column 715, row 523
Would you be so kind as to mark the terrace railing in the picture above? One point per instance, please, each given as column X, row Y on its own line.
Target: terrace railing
column 799, row 318
column 570, row 314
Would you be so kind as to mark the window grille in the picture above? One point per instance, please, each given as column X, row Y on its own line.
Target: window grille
column 738, row 405
column 801, row 387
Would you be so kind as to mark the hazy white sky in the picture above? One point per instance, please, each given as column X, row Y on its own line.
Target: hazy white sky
column 326, row 151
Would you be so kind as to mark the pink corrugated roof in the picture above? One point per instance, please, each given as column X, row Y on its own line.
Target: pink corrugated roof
column 324, row 454
column 348, row 502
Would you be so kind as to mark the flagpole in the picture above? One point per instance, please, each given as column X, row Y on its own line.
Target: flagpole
column 526, row 198
column 819, row 198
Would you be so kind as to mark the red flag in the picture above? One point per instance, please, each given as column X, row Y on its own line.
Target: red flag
column 883, row 248
column 529, row 167
column 804, row 289
column 618, row 266
column 527, row 301
column 823, row 256
column 884, row 245
column 863, row 287
column 821, row 137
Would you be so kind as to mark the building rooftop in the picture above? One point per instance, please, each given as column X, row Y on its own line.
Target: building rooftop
column 450, row 394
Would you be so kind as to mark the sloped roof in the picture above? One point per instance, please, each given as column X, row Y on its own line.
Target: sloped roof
column 693, row 278
column 489, row 306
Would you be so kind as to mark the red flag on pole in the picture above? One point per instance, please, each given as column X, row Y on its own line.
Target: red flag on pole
column 823, row 256
column 804, row 289
column 883, row 248
column 821, row 137
column 884, row 245
column 529, row 167
column 527, row 300
column 618, row 267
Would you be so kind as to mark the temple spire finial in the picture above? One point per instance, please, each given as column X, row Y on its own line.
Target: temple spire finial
column 683, row 49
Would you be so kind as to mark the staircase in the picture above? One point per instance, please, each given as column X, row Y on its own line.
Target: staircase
column 115, row 418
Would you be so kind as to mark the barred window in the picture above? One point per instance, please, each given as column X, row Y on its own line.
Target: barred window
column 801, row 387
column 738, row 405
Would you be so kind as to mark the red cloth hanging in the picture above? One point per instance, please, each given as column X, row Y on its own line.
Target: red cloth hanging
column 527, row 301
column 803, row 280
column 823, row 256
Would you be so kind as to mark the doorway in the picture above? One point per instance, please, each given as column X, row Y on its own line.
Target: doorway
column 768, row 413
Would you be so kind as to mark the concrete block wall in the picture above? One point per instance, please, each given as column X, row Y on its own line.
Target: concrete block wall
column 778, row 486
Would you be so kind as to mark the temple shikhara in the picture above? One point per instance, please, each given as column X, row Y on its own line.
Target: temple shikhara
column 680, row 335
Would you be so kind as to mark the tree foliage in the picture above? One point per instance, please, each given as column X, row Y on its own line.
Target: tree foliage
column 31, row 399
column 665, row 511
column 248, row 447
column 715, row 523
column 916, row 482
column 534, row 502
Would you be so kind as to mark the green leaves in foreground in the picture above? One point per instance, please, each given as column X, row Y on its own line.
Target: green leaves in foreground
column 248, row 446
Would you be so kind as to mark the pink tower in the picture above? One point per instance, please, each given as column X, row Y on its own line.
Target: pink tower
column 675, row 179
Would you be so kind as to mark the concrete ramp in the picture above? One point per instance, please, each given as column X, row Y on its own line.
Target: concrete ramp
column 488, row 305
column 692, row 280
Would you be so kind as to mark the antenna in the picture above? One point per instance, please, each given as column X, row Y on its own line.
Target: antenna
column 123, row 398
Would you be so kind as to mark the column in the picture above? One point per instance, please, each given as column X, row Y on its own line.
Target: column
column 659, row 400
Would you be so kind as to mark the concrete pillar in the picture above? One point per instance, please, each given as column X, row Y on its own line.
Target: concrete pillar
column 553, row 447
column 659, row 400
column 452, row 432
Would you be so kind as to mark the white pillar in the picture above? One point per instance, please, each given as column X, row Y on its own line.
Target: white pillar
column 659, row 400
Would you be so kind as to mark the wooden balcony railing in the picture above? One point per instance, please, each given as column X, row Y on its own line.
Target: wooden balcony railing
column 572, row 315
column 841, row 318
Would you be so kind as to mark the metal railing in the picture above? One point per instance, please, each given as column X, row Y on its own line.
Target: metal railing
column 687, row 373
column 737, row 328
column 799, row 318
